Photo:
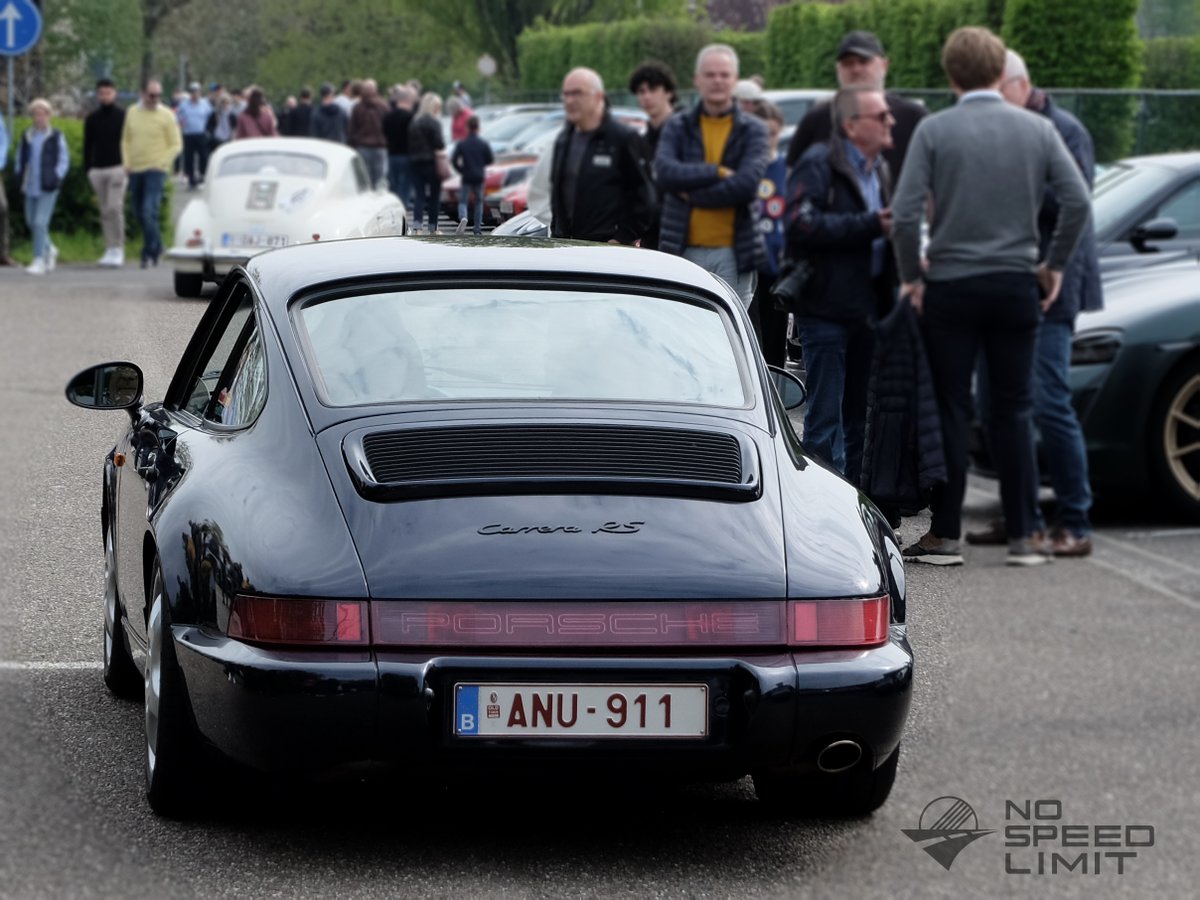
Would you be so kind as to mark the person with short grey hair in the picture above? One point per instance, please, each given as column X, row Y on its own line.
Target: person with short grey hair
column 710, row 162
column 838, row 220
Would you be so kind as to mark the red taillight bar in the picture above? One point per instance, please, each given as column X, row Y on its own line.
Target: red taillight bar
column 839, row 623
column 274, row 620
column 809, row 624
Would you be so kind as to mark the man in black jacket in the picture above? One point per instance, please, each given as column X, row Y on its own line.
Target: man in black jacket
column 102, row 162
column 838, row 218
column 860, row 63
column 600, row 183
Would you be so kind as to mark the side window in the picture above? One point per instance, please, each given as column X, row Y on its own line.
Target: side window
column 1184, row 208
column 234, row 373
column 242, row 400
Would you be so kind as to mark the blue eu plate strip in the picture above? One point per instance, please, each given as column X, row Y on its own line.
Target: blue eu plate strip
column 466, row 711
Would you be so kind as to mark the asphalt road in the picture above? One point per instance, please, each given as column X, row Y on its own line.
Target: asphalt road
column 1074, row 685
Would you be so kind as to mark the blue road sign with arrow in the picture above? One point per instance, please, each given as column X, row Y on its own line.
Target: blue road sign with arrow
column 20, row 26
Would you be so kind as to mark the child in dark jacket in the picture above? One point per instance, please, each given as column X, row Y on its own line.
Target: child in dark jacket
column 472, row 155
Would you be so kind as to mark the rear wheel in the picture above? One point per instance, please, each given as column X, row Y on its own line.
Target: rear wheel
column 1175, row 439
column 857, row 792
column 120, row 673
column 188, row 284
column 172, row 745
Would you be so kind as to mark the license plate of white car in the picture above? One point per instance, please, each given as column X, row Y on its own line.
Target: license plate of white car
column 254, row 240
column 581, row 710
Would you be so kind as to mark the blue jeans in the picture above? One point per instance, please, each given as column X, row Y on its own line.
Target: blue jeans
column 38, row 211
column 399, row 179
column 464, row 191
column 376, row 161
column 837, row 366
column 1062, row 438
column 145, row 194
column 428, row 190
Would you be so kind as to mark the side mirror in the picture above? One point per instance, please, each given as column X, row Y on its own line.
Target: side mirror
column 791, row 389
column 1154, row 230
column 115, row 385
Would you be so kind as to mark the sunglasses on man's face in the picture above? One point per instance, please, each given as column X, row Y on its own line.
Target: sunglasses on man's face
column 881, row 117
column 153, row 96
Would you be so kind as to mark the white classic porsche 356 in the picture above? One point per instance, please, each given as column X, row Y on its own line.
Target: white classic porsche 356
column 263, row 193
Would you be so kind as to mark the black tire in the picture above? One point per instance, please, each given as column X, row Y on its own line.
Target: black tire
column 1173, row 429
column 188, row 284
column 173, row 776
column 120, row 673
column 858, row 792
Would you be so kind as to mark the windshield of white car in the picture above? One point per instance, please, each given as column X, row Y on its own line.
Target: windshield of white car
column 293, row 165
column 1121, row 188
column 477, row 343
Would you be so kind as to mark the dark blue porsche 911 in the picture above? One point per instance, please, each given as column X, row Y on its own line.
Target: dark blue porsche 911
column 463, row 505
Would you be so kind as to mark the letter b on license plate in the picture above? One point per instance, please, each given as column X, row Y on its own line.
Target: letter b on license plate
column 581, row 710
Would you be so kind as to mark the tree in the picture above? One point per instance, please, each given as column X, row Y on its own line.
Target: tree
column 154, row 12
column 220, row 41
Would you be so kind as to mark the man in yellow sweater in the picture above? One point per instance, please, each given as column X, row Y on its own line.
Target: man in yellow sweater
column 710, row 161
column 150, row 141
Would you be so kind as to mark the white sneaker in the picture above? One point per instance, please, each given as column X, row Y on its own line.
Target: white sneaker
column 118, row 257
column 37, row 267
column 51, row 258
column 106, row 259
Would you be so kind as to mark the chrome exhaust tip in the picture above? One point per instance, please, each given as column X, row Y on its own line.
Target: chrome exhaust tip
column 839, row 756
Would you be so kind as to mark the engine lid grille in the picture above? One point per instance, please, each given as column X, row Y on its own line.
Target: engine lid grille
column 553, row 458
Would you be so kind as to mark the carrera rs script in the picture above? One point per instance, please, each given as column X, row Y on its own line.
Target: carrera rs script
column 606, row 528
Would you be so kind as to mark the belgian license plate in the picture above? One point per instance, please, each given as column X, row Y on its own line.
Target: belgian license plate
column 254, row 240
column 581, row 710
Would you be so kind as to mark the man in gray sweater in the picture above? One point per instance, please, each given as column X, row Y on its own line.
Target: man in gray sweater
column 980, row 169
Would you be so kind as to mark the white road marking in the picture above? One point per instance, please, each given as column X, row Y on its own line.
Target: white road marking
column 43, row 666
column 1149, row 554
column 1148, row 583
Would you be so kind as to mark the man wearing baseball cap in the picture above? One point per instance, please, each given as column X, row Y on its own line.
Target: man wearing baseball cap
column 861, row 62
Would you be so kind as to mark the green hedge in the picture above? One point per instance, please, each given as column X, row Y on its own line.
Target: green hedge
column 614, row 49
column 1083, row 44
column 802, row 38
column 76, row 210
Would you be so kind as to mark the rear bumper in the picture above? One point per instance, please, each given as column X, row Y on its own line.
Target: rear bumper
column 211, row 266
column 305, row 711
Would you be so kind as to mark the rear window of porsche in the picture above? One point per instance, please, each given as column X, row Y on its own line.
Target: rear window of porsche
column 293, row 165
column 520, row 343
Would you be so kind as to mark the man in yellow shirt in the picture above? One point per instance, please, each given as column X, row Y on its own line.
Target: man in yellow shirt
column 150, row 141
column 710, row 161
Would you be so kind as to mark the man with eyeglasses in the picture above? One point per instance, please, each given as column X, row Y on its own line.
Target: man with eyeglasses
column 838, row 219
column 150, row 141
column 861, row 62
column 601, row 188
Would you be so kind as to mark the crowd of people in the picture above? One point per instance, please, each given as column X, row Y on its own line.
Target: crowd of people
column 904, row 342
column 906, row 336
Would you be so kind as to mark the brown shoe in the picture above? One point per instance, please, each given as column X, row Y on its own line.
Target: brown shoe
column 994, row 533
column 1063, row 543
column 8, row 261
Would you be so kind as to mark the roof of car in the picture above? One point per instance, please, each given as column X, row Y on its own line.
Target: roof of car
column 1185, row 160
column 306, row 146
column 282, row 273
